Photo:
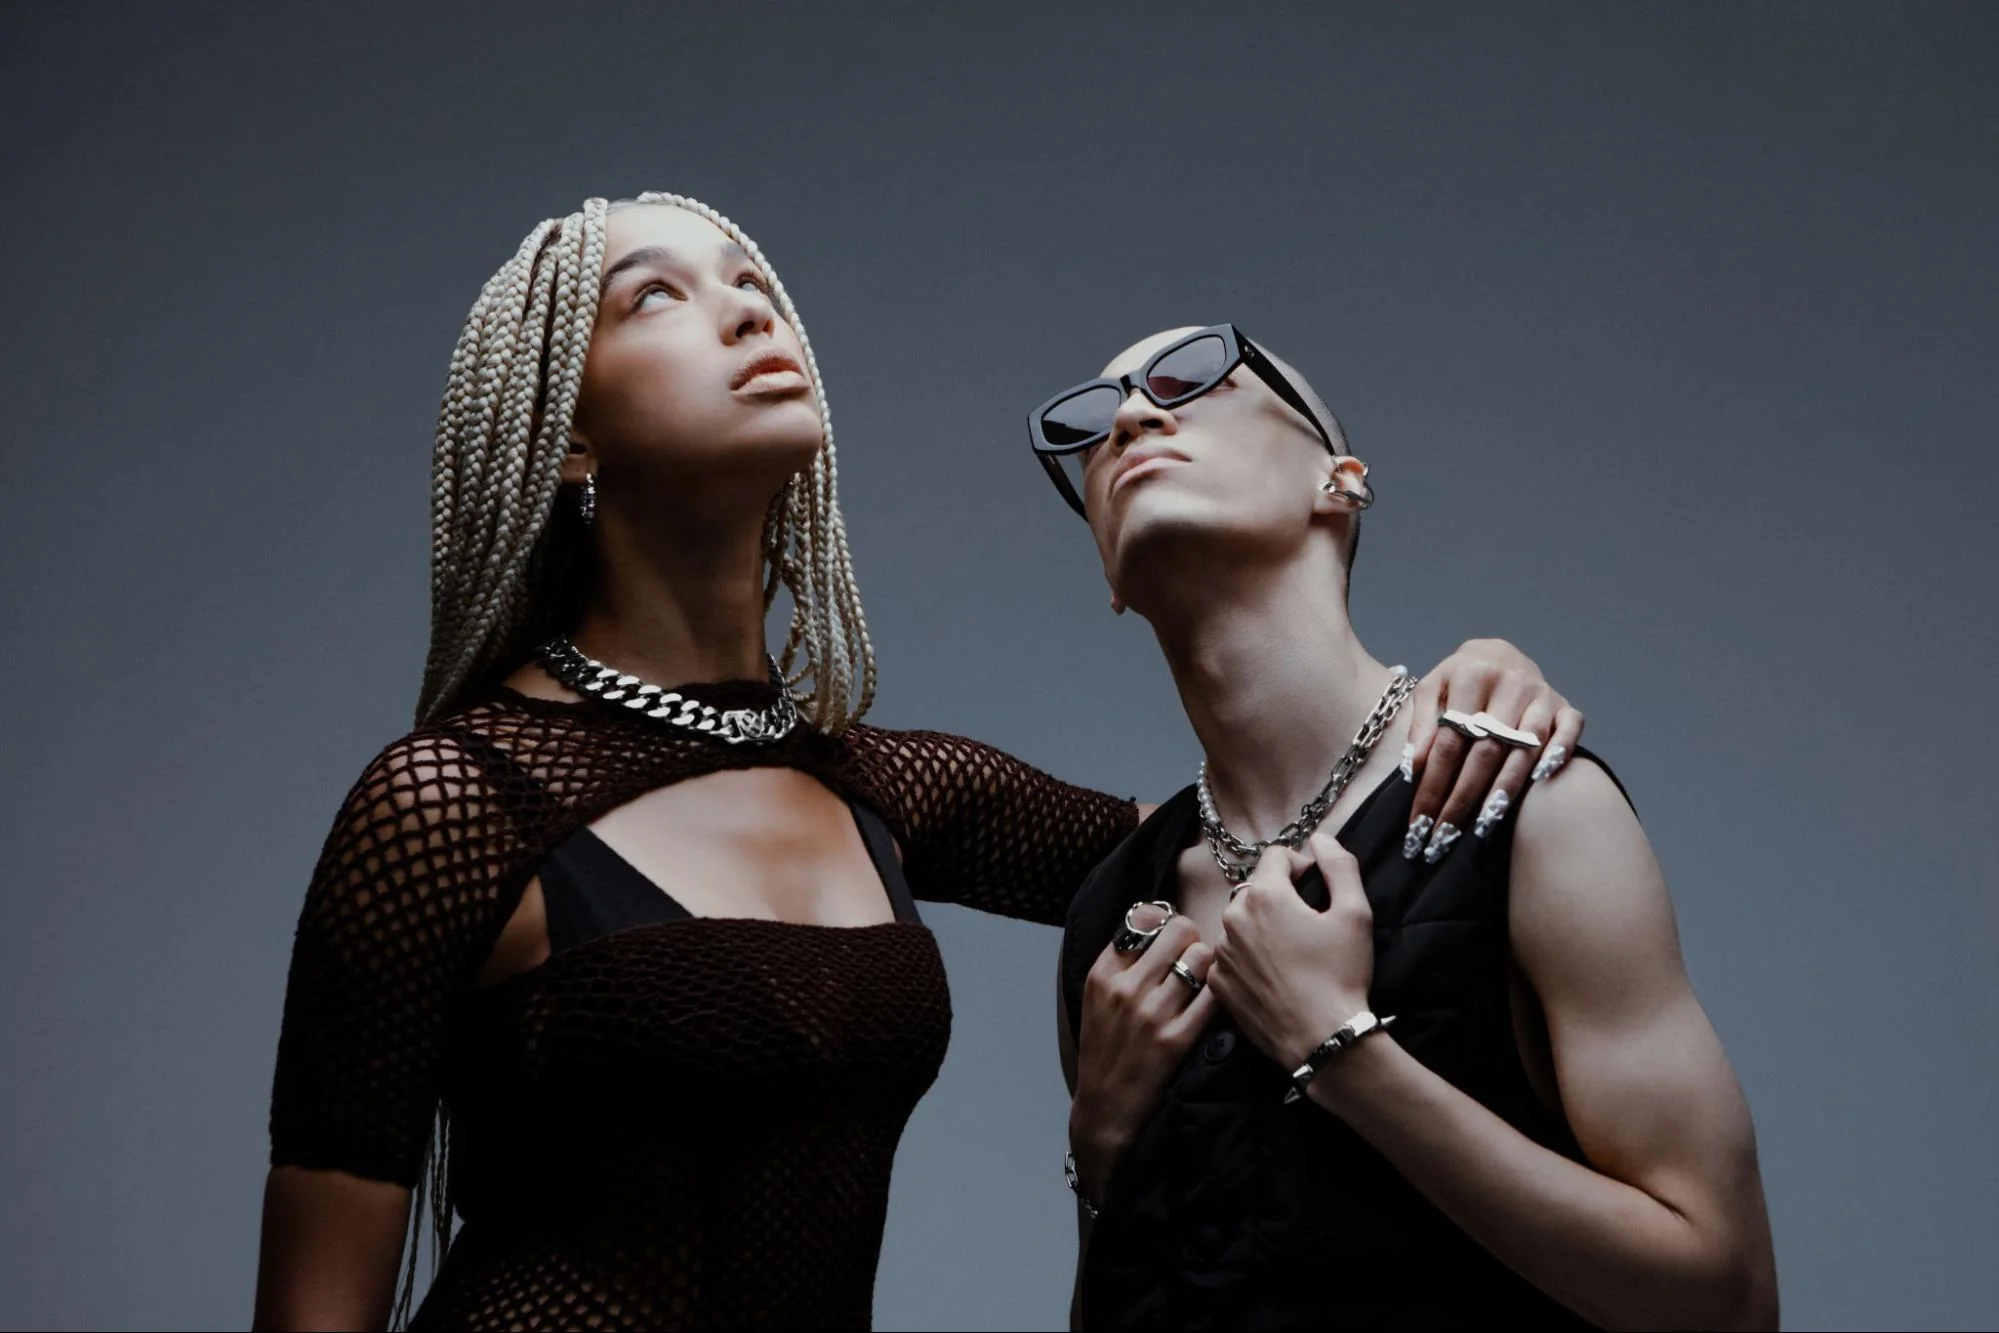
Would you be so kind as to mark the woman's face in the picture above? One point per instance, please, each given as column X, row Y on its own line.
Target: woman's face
column 691, row 374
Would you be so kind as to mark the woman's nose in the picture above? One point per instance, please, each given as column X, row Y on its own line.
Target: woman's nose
column 747, row 313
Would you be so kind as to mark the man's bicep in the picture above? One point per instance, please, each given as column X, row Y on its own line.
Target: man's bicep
column 1644, row 1082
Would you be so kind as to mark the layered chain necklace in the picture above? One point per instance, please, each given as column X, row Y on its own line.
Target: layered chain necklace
column 1238, row 858
column 737, row 726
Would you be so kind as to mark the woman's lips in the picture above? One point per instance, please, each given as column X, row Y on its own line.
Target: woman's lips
column 773, row 382
column 768, row 372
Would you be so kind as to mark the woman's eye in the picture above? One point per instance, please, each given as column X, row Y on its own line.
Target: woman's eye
column 654, row 289
column 756, row 284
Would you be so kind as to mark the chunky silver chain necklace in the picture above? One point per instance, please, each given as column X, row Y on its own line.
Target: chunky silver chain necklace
column 737, row 726
column 1238, row 858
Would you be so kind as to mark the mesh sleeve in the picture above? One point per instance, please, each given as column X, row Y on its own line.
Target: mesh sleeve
column 981, row 828
column 404, row 904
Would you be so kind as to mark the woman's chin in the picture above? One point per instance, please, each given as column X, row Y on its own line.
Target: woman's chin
column 779, row 445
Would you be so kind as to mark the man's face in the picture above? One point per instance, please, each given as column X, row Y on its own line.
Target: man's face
column 1236, row 467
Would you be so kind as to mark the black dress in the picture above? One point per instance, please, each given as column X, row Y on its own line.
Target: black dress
column 1233, row 1210
column 673, row 1122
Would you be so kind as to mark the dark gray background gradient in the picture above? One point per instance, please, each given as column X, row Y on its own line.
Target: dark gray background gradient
column 1670, row 332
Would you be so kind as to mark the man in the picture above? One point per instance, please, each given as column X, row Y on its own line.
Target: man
column 1509, row 1106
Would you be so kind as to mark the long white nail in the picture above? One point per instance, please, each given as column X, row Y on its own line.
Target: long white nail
column 1409, row 762
column 1551, row 759
column 1439, row 844
column 1495, row 810
column 1412, row 841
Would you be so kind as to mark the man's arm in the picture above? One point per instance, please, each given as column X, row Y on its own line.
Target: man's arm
column 1666, row 1226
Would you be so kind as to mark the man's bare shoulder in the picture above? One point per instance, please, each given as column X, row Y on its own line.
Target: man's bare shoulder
column 1590, row 913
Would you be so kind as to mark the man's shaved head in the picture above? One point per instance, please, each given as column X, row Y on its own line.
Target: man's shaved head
column 1239, row 464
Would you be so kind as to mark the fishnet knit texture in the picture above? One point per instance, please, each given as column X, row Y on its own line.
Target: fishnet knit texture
column 681, row 1125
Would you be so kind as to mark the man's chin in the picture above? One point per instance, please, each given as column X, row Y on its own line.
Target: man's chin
column 1167, row 527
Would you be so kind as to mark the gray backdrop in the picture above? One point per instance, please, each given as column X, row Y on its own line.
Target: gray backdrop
column 1669, row 332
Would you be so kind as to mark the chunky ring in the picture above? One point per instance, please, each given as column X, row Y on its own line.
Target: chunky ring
column 1482, row 726
column 1130, row 939
column 1505, row 735
column 1462, row 723
column 1186, row 974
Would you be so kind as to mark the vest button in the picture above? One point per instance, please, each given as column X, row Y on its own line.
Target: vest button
column 1220, row 1046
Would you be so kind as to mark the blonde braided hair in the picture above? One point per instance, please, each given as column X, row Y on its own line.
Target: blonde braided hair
column 499, row 566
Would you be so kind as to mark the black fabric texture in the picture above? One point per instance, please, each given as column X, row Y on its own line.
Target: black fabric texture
column 673, row 1122
column 1233, row 1210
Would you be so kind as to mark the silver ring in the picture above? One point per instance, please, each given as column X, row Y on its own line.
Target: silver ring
column 1462, row 723
column 1130, row 939
column 1237, row 889
column 1186, row 974
column 1505, row 735
column 1483, row 726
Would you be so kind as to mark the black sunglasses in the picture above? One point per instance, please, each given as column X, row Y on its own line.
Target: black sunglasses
column 1081, row 417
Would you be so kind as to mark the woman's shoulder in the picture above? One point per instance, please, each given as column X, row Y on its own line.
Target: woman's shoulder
column 454, row 764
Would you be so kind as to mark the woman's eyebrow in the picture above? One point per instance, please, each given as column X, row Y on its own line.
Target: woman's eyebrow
column 647, row 254
column 659, row 254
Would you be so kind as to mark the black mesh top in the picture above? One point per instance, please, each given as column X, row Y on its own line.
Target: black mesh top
column 688, row 1123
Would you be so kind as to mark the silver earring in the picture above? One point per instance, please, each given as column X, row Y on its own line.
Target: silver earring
column 1360, row 499
column 587, row 506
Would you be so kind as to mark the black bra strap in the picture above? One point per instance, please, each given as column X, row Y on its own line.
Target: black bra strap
column 881, row 849
column 588, row 890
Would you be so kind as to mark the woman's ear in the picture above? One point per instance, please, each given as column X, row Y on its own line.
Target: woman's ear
column 580, row 461
column 1346, row 490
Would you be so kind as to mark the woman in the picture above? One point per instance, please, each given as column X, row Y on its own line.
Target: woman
column 655, row 953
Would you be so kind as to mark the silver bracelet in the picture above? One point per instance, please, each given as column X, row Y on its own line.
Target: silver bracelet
column 1075, row 1184
column 1360, row 1025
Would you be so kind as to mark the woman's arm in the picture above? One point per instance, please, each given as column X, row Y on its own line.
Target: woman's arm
column 978, row 827
column 403, row 906
column 981, row 828
column 1665, row 1226
column 332, row 1249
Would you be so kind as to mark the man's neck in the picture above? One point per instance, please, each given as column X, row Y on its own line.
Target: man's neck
column 1274, row 682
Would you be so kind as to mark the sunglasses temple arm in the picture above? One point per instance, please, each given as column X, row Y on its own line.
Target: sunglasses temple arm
column 1253, row 356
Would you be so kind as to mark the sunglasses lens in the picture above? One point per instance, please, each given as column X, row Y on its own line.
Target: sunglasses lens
column 1082, row 417
column 1188, row 370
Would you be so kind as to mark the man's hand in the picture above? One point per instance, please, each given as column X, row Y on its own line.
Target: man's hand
column 1466, row 786
column 1140, row 1018
column 1289, row 974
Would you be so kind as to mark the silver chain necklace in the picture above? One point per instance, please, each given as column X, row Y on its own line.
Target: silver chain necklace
column 737, row 726
column 1237, row 858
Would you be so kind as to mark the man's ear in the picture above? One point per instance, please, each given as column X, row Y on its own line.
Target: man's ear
column 1345, row 490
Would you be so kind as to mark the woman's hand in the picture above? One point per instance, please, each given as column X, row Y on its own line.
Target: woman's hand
column 1464, row 784
column 1289, row 974
column 1139, row 1020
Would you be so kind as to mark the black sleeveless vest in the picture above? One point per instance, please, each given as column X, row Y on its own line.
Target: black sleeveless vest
column 1232, row 1210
